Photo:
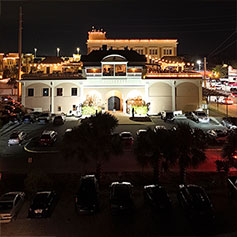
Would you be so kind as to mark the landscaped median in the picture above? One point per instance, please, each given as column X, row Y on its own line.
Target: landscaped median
column 33, row 146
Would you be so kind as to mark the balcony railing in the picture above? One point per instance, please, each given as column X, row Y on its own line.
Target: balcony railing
column 52, row 76
column 181, row 75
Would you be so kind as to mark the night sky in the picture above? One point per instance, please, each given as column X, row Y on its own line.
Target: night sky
column 199, row 25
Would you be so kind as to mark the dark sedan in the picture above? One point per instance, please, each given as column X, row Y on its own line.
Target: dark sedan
column 86, row 199
column 195, row 202
column 121, row 196
column 42, row 204
column 157, row 198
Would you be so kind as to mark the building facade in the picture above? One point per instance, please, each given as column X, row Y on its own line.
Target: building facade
column 153, row 49
column 112, row 80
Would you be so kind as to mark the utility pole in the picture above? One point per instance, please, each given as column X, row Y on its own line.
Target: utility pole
column 204, row 72
column 20, row 52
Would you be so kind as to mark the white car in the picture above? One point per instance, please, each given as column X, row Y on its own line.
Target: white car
column 16, row 138
column 10, row 204
column 179, row 117
column 200, row 116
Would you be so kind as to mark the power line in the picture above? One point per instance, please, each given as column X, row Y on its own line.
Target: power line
column 224, row 48
column 221, row 43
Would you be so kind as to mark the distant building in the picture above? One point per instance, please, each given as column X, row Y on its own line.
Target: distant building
column 232, row 74
column 113, row 80
column 153, row 49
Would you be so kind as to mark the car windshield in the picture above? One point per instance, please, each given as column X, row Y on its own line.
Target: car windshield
column 159, row 194
column 87, row 187
column 122, row 192
column 6, row 206
column 41, row 199
column 44, row 115
column 45, row 136
column 200, row 113
column 199, row 197
column 14, row 136
column 58, row 118
column 126, row 135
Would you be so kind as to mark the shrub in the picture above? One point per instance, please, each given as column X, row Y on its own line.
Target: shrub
column 90, row 110
column 141, row 110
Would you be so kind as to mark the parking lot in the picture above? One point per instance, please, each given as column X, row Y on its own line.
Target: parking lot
column 64, row 221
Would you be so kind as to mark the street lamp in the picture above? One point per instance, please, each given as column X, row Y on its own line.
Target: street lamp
column 58, row 50
column 78, row 50
column 35, row 49
column 199, row 64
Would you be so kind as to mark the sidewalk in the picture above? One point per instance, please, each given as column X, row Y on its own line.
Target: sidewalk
column 124, row 119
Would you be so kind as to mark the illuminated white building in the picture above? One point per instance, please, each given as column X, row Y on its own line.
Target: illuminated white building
column 112, row 78
column 154, row 49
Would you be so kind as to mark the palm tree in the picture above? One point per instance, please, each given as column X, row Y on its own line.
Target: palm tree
column 189, row 148
column 152, row 149
column 93, row 140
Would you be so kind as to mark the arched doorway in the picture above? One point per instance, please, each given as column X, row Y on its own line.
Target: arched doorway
column 113, row 103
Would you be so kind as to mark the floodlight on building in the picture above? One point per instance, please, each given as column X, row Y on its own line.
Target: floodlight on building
column 78, row 50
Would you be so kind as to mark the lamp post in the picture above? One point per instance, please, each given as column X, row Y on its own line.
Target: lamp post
column 78, row 50
column 58, row 51
column 199, row 64
column 35, row 49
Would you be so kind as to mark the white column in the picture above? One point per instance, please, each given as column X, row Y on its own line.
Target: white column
column 52, row 98
column 23, row 93
column 173, row 95
column 81, row 94
column 124, row 106
column 146, row 93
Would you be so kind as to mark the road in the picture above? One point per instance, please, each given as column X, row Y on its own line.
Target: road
column 228, row 110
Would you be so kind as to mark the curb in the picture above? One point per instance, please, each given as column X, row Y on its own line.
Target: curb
column 38, row 152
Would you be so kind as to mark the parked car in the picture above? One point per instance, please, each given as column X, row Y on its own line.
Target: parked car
column 121, row 197
column 59, row 120
column 229, row 122
column 178, row 117
column 46, row 116
column 127, row 139
column 167, row 115
column 16, row 138
column 28, row 118
column 157, row 127
column 226, row 101
column 200, row 116
column 48, row 137
column 10, row 204
column 217, row 135
column 13, row 119
column 87, row 196
column 195, row 202
column 75, row 113
column 157, row 198
column 141, row 132
column 42, row 204
column 68, row 130
column 232, row 186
